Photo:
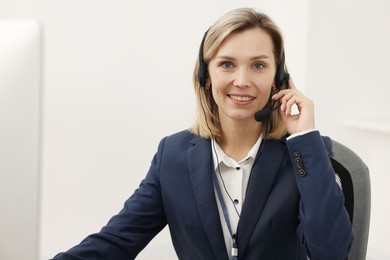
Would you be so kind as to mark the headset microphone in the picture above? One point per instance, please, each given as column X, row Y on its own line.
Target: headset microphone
column 263, row 114
column 266, row 112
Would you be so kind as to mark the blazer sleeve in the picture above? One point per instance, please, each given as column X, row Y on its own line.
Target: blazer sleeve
column 128, row 232
column 325, row 228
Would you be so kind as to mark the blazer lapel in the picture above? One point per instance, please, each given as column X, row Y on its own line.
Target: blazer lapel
column 201, row 170
column 267, row 163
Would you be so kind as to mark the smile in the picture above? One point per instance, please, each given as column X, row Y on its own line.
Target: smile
column 241, row 98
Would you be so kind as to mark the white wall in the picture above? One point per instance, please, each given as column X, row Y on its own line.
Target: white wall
column 117, row 78
column 348, row 79
column 20, row 78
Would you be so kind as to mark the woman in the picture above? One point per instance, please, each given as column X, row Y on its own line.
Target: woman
column 234, row 187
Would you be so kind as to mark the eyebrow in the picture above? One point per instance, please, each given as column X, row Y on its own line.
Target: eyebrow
column 264, row 56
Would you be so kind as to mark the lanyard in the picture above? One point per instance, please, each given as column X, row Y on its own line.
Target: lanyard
column 226, row 215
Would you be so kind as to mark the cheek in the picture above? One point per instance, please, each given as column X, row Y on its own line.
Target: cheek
column 265, row 90
column 219, row 80
column 219, row 85
column 265, row 86
column 216, row 93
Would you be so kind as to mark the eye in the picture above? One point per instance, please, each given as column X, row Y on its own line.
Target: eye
column 258, row 66
column 226, row 65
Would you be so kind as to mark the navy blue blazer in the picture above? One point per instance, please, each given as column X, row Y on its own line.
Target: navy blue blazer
column 293, row 206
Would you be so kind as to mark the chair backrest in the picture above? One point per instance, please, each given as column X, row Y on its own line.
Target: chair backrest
column 355, row 180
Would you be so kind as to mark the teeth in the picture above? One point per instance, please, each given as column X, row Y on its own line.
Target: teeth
column 239, row 98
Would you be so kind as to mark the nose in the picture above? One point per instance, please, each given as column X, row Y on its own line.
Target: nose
column 242, row 78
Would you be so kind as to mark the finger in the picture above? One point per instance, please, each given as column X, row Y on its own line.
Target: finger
column 289, row 120
column 284, row 92
column 285, row 97
column 293, row 97
column 290, row 117
column 281, row 94
column 290, row 103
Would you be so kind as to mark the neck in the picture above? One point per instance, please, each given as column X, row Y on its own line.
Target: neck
column 238, row 138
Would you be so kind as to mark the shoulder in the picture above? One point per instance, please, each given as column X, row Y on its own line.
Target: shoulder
column 180, row 138
column 173, row 149
column 179, row 141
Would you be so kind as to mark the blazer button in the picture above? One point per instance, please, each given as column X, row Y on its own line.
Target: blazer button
column 297, row 154
column 302, row 172
column 298, row 160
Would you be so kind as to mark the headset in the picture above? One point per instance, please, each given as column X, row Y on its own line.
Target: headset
column 281, row 78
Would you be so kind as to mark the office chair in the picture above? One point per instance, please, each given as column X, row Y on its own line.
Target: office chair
column 353, row 176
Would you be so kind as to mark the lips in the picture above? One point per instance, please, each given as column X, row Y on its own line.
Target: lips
column 241, row 98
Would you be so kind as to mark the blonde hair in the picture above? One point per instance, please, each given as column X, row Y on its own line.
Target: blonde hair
column 207, row 122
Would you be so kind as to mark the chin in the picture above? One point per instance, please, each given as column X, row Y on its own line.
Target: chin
column 241, row 117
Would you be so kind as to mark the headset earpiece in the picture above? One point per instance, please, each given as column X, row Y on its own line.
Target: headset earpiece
column 202, row 67
column 281, row 76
